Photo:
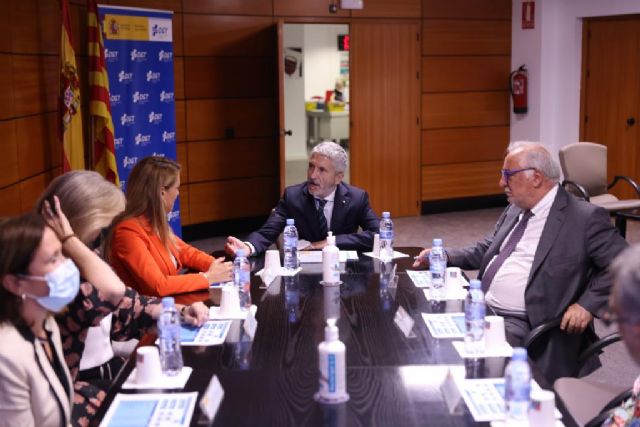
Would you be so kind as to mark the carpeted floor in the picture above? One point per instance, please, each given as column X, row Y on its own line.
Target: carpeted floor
column 466, row 227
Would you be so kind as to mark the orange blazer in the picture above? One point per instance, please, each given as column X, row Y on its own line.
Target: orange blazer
column 143, row 262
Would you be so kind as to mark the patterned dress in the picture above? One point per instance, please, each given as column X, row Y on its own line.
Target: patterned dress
column 627, row 414
column 131, row 319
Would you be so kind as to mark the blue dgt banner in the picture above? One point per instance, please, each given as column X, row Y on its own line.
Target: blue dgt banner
column 139, row 59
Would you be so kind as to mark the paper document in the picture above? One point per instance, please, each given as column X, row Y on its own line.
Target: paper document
column 313, row 257
column 450, row 294
column 153, row 409
column 396, row 255
column 445, row 325
column 422, row 279
column 485, row 398
column 212, row 332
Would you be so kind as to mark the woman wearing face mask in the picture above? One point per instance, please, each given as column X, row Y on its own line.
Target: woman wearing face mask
column 38, row 279
column 144, row 251
column 90, row 203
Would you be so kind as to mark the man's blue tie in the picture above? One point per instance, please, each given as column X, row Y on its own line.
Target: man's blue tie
column 322, row 220
column 507, row 249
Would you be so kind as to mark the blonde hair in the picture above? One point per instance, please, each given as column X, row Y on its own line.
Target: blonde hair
column 148, row 178
column 89, row 201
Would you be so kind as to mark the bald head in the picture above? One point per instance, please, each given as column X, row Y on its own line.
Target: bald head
column 536, row 155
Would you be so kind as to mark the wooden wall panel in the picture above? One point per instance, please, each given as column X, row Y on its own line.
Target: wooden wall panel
column 461, row 145
column 181, row 121
column 35, row 26
column 30, row 189
column 315, row 8
column 208, row 119
column 473, row 9
column 219, row 77
column 460, row 180
column 174, row 5
column 178, row 34
column 236, row 158
column 35, row 84
column 5, row 22
column 38, row 149
column 225, row 7
column 8, row 154
column 385, row 150
column 78, row 16
column 178, row 76
column 465, row 73
column 210, row 35
column 10, row 197
column 447, row 110
column 185, row 217
column 181, row 157
column 6, row 87
column 466, row 37
column 218, row 200
column 389, row 9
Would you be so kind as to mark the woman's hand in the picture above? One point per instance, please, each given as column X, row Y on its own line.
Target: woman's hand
column 196, row 314
column 219, row 271
column 56, row 219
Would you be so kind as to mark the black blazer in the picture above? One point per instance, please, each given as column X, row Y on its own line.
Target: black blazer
column 351, row 210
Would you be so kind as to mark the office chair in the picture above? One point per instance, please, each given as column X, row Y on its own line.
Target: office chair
column 584, row 165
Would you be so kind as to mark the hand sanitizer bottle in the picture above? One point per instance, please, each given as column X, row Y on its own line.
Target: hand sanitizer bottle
column 331, row 261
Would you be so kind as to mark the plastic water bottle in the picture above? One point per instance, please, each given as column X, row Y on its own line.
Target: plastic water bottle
column 437, row 267
column 242, row 278
column 290, row 245
column 386, row 237
column 517, row 379
column 169, row 338
column 474, row 312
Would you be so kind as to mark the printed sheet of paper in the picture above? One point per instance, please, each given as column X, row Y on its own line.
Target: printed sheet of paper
column 212, row 332
column 315, row 257
column 153, row 409
column 485, row 398
column 445, row 325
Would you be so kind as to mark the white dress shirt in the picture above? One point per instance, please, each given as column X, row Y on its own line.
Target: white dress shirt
column 507, row 288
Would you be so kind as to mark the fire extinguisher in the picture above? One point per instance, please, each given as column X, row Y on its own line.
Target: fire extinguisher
column 518, row 86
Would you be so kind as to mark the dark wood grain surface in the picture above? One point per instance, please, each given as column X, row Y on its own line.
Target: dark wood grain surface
column 392, row 379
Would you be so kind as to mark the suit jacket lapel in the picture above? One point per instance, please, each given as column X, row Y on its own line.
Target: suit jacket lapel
column 510, row 220
column 340, row 206
column 550, row 231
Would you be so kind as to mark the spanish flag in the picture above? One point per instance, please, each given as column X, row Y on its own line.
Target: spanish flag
column 102, row 139
column 70, row 120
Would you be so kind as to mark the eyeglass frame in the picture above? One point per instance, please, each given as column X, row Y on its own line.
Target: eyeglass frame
column 508, row 173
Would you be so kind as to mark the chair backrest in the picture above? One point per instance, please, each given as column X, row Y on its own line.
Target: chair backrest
column 585, row 163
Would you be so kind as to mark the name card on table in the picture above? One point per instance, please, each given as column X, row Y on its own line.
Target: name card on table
column 404, row 322
column 212, row 398
column 250, row 323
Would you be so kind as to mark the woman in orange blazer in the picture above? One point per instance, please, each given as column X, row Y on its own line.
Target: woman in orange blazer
column 142, row 248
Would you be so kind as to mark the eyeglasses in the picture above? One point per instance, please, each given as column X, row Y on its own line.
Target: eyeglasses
column 508, row 173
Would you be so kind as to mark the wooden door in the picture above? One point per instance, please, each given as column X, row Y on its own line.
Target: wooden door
column 280, row 94
column 385, row 114
column 611, row 94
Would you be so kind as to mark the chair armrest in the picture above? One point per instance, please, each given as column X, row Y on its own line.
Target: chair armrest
column 629, row 180
column 597, row 347
column 582, row 192
column 608, row 408
column 540, row 330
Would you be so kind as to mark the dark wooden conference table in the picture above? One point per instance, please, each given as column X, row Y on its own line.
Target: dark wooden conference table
column 392, row 379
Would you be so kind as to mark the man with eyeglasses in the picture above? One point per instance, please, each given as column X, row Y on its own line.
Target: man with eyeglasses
column 547, row 258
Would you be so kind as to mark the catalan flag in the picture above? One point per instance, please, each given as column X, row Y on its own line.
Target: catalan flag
column 102, row 139
column 70, row 120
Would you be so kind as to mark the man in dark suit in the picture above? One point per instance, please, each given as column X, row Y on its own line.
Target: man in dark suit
column 323, row 203
column 547, row 258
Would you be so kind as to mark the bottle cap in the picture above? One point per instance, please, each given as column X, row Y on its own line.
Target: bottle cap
column 475, row 284
column 437, row 242
column 331, row 333
column 168, row 302
column 290, row 221
column 386, row 215
column 519, row 353
column 240, row 252
column 331, row 239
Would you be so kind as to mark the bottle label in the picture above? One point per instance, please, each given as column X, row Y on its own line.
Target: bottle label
column 386, row 234
column 331, row 372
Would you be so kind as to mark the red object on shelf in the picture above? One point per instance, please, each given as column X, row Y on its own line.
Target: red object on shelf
column 327, row 97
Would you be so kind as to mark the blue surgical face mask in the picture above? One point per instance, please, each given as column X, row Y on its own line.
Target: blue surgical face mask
column 63, row 282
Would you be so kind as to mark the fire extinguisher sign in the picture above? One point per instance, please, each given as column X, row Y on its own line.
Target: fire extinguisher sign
column 528, row 15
